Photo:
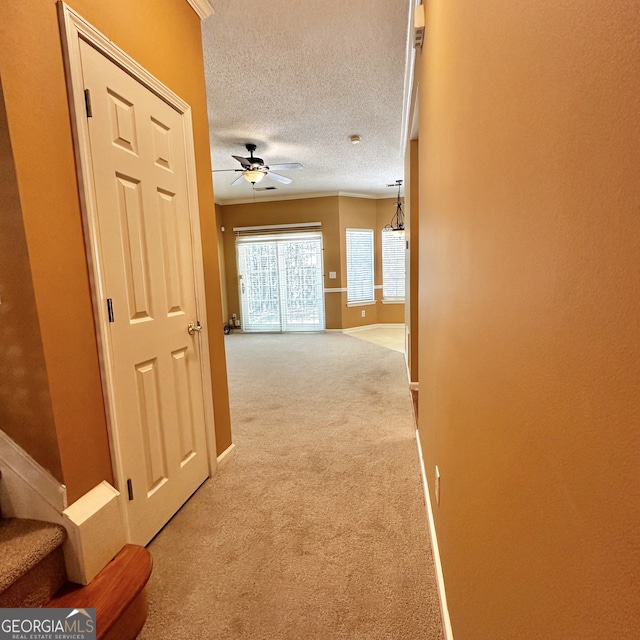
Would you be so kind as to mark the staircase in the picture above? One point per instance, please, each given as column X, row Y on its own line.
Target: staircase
column 32, row 574
column 32, row 564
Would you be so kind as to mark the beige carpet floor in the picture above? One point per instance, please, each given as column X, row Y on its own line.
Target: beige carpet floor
column 317, row 527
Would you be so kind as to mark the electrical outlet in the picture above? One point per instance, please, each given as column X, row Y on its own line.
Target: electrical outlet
column 364, row 313
column 332, row 275
column 436, row 486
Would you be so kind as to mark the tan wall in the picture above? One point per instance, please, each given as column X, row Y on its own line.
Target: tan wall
column 529, row 307
column 25, row 403
column 356, row 213
column 221, row 264
column 336, row 214
column 323, row 210
column 388, row 313
column 412, row 175
column 166, row 40
column 360, row 213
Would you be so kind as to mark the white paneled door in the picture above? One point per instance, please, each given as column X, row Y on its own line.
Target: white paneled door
column 144, row 233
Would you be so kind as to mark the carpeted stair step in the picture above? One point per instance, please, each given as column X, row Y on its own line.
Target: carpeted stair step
column 31, row 562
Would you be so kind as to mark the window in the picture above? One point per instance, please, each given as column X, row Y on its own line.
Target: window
column 281, row 283
column 393, row 264
column 360, row 265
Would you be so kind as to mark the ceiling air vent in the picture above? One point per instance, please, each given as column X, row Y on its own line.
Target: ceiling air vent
column 265, row 188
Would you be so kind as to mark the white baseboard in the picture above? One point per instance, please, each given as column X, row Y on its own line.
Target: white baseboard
column 364, row 327
column 226, row 456
column 202, row 7
column 444, row 609
column 22, row 476
column 94, row 524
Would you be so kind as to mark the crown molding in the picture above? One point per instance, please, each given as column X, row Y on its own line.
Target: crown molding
column 301, row 196
column 202, row 7
column 408, row 92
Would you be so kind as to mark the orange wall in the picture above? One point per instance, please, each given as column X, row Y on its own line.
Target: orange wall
column 323, row 210
column 336, row 214
column 356, row 213
column 360, row 213
column 38, row 117
column 388, row 313
column 529, row 307
column 221, row 264
column 25, row 403
column 166, row 40
column 413, row 252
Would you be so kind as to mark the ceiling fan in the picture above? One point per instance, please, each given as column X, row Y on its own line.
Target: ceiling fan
column 254, row 168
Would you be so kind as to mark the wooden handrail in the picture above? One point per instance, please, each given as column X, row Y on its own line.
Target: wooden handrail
column 116, row 593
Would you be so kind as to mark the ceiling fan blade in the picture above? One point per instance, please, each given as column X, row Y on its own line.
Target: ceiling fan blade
column 219, row 170
column 286, row 166
column 238, row 179
column 243, row 161
column 278, row 178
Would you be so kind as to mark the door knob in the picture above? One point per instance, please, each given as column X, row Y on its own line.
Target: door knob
column 193, row 327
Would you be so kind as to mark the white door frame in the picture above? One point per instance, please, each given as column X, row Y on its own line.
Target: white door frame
column 75, row 28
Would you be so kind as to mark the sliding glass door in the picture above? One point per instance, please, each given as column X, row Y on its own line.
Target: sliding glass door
column 281, row 282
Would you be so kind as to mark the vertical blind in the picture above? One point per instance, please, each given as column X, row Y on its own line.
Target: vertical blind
column 360, row 265
column 393, row 264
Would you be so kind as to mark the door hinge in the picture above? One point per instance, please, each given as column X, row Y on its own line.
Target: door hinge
column 87, row 102
column 110, row 310
column 130, row 489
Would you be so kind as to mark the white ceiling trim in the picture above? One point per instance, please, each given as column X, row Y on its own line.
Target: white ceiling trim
column 407, row 94
column 202, row 7
column 304, row 196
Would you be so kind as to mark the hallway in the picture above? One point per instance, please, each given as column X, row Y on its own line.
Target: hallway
column 317, row 527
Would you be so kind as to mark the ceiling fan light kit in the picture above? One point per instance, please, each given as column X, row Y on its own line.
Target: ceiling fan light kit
column 253, row 175
column 254, row 168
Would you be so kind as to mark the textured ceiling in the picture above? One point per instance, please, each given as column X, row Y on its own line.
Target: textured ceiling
column 298, row 78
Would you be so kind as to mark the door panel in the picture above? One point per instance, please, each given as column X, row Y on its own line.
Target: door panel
column 134, row 247
column 171, row 259
column 154, row 443
column 147, row 269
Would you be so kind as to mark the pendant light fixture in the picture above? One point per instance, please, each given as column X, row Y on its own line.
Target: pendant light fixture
column 397, row 222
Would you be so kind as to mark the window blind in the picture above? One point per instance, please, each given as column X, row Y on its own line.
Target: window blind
column 360, row 265
column 393, row 264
